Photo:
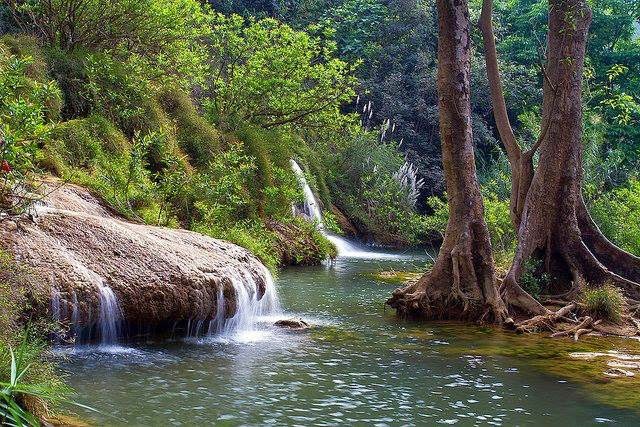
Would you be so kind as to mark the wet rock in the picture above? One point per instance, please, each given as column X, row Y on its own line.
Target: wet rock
column 74, row 243
column 296, row 324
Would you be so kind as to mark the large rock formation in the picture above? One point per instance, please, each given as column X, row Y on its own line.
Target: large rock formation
column 75, row 246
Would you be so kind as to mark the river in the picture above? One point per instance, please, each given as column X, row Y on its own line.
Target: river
column 357, row 365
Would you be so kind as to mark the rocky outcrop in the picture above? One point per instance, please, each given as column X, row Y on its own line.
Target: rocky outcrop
column 293, row 324
column 299, row 246
column 74, row 245
column 344, row 223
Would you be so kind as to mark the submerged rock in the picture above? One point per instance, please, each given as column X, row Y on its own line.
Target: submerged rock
column 296, row 324
column 76, row 246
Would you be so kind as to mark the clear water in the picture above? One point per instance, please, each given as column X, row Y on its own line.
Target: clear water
column 360, row 365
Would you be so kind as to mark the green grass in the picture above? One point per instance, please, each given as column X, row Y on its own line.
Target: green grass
column 606, row 302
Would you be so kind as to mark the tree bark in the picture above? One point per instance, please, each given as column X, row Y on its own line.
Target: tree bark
column 555, row 225
column 462, row 282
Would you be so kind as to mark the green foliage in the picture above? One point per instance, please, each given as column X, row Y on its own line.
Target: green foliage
column 532, row 279
column 606, row 302
column 498, row 219
column 222, row 188
column 195, row 135
column 93, row 152
column 618, row 214
column 270, row 75
column 366, row 189
column 251, row 235
column 28, row 380
column 163, row 39
column 27, row 102
column 496, row 215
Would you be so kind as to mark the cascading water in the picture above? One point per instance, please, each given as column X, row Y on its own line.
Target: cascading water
column 110, row 317
column 311, row 210
column 251, row 311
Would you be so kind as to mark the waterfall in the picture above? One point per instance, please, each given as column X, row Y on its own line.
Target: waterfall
column 312, row 212
column 311, row 208
column 110, row 317
column 251, row 313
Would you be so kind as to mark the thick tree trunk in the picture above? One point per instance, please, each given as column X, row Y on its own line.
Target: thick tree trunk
column 462, row 283
column 555, row 225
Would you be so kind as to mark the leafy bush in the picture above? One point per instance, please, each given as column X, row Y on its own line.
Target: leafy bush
column 195, row 135
column 617, row 213
column 270, row 75
column 367, row 191
column 533, row 280
column 29, row 385
column 26, row 104
column 606, row 302
column 163, row 39
column 251, row 235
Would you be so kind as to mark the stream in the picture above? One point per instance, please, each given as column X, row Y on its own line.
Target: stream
column 357, row 365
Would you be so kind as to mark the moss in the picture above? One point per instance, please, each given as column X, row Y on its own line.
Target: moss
column 396, row 277
column 195, row 135
column 250, row 235
column 68, row 69
column 24, row 46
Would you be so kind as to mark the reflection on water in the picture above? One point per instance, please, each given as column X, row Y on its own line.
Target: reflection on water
column 359, row 365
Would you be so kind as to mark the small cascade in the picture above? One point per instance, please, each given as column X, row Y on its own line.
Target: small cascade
column 251, row 311
column 55, row 305
column 110, row 317
column 312, row 212
column 311, row 208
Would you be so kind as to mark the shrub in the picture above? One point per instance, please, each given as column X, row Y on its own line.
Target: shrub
column 29, row 383
column 162, row 38
column 251, row 235
column 26, row 105
column 367, row 191
column 533, row 280
column 270, row 75
column 94, row 153
column 618, row 215
column 195, row 135
column 606, row 302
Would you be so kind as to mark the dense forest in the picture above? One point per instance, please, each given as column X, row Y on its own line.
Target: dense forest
column 505, row 134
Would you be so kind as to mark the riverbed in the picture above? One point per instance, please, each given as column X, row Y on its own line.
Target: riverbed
column 357, row 365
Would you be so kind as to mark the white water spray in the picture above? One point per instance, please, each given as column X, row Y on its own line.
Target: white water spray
column 311, row 208
column 312, row 212
column 110, row 317
column 252, row 313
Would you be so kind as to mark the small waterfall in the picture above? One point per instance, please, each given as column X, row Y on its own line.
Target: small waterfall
column 55, row 305
column 251, row 311
column 312, row 211
column 110, row 317
column 311, row 207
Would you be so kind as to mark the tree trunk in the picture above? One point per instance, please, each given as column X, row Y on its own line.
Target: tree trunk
column 462, row 283
column 555, row 226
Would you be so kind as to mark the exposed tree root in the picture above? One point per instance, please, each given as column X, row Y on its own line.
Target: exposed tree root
column 544, row 321
column 617, row 260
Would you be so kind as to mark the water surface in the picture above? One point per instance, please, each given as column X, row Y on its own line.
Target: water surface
column 360, row 365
